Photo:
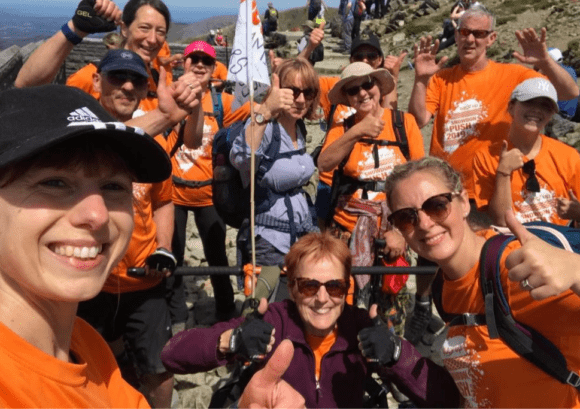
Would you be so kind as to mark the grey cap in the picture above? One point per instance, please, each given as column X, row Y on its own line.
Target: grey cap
column 537, row 87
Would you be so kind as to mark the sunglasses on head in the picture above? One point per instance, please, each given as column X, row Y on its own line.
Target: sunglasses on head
column 532, row 183
column 118, row 78
column 309, row 93
column 367, row 86
column 370, row 56
column 205, row 59
column 465, row 32
column 309, row 287
column 436, row 207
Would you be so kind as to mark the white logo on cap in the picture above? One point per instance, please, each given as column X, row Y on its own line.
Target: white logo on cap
column 82, row 115
column 127, row 56
column 544, row 85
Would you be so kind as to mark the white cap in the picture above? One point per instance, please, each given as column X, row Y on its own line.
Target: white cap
column 536, row 88
column 556, row 54
column 212, row 32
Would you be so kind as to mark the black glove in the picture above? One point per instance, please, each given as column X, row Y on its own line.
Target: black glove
column 379, row 344
column 161, row 259
column 87, row 20
column 250, row 340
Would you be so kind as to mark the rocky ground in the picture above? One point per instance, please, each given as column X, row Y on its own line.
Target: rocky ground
column 398, row 30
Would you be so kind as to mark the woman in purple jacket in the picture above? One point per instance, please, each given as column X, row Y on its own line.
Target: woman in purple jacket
column 328, row 368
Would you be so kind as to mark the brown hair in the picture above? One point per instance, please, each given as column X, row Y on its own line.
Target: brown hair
column 320, row 246
column 288, row 70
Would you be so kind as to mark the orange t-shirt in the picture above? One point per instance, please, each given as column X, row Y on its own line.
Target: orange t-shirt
column 341, row 112
column 83, row 79
column 488, row 373
column 195, row 164
column 361, row 165
column 31, row 378
column 320, row 346
column 144, row 239
column 220, row 72
column 470, row 110
column 165, row 52
column 557, row 170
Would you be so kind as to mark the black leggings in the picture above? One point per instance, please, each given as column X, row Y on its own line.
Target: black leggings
column 212, row 232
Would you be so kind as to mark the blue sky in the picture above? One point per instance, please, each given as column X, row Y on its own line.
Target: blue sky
column 183, row 11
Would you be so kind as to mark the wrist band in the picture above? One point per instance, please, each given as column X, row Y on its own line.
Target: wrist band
column 70, row 35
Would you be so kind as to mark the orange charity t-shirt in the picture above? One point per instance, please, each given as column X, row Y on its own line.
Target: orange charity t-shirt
column 487, row 372
column 83, row 79
column 31, row 378
column 341, row 112
column 164, row 52
column 557, row 170
column 220, row 72
column 144, row 239
column 195, row 164
column 470, row 110
column 361, row 164
column 320, row 346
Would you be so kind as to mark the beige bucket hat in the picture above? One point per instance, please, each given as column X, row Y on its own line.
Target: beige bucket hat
column 358, row 70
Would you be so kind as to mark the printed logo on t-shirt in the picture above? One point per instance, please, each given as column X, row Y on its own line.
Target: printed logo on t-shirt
column 463, row 363
column 139, row 190
column 461, row 122
column 388, row 159
column 536, row 206
column 187, row 157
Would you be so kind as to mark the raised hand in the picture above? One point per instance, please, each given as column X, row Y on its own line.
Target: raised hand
column 274, row 60
column 279, row 99
column 178, row 99
column 266, row 389
column 317, row 35
column 568, row 208
column 395, row 244
column 377, row 343
column 509, row 160
column 534, row 47
column 539, row 267
column 393, row 63
column 371, row 125
column 96, row 16
column 425, row 60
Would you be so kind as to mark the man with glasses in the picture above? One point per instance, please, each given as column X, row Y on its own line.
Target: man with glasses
column 469, row 105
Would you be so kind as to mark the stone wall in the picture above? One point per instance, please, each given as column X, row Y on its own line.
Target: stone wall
column 90, row 50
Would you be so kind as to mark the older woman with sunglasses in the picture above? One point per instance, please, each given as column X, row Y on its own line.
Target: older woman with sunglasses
column 536, row 176
column 365, row 149
column 328, row 368
column 430, row 208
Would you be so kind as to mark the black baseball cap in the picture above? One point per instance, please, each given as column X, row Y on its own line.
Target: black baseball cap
column 126, row 60
column 35, row 119
column 366, row 39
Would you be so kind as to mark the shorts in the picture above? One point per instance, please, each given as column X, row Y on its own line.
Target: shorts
column 140, row 317
column 322, row 203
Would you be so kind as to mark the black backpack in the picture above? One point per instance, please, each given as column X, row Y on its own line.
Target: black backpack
column 230, row 198
column 522, row 339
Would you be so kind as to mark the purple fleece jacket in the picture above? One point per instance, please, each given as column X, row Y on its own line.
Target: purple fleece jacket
column 343, row 368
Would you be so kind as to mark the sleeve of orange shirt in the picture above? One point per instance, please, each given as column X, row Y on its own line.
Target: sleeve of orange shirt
column 220, row 72
column 484, row 170
column 83, row 79
column 239, row 114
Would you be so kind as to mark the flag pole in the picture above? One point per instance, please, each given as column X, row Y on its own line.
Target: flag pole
column 250, row 82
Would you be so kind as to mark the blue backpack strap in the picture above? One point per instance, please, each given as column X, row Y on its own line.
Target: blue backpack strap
column 218, row 108
column 523, row 339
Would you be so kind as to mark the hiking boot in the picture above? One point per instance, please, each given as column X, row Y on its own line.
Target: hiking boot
column 419, row 320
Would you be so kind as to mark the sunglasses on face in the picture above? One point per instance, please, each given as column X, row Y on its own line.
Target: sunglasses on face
column 532, row 183
column 436, row 207
column 370, row 56
column 367, row 86
column 309, row 93
column 118, row 78
column 465, row 32
column 205, row 59
column 309, row 287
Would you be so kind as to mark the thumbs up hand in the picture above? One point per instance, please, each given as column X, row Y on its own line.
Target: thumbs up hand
column 377, row 343
column 279, row 99
column 371, row 125
column 509, row 160
column 541, row 269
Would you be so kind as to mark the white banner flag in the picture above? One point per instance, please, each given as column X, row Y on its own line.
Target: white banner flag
column 238, row 65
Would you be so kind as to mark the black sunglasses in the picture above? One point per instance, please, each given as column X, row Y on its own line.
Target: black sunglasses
column 118, row 78
column 309, row 93
column 436, row 207
column 370, row 56
column 367, row 86
column 465, row 32
column 532, row 183
column 205, row 59
column 309, row 286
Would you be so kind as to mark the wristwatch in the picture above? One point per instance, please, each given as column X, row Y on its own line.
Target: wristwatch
column 259, row 119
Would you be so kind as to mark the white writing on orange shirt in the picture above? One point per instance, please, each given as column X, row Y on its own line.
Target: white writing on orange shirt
column 461, row 122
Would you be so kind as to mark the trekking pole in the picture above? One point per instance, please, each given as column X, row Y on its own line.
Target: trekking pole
column 238, row 271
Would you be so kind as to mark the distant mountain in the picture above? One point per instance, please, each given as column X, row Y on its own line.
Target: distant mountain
column 181, row 32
